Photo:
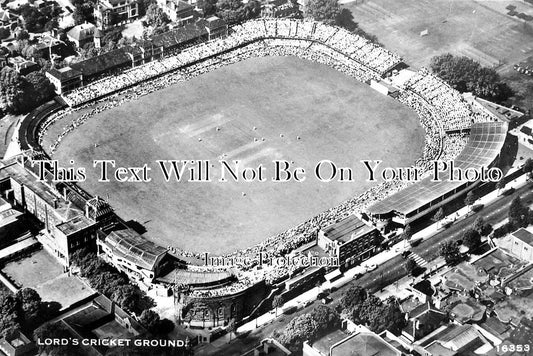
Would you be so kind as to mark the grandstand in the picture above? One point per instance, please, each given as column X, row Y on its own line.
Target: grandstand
column 482, row 150
column 442, row 110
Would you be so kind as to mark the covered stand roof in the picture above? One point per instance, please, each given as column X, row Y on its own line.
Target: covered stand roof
column 134, row 248
column 483, row 147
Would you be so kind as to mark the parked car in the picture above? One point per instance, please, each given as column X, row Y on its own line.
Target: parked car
column 371, row 267
column 327, row 300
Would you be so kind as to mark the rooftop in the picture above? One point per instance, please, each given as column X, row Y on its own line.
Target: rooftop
column 524, row 235
column 82, row 32
column 75, row 224
column 131, row 246
column 364, row 344
column 347, row 229
column 484, row 145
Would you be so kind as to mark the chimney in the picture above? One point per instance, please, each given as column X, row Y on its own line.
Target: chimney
column 417, row 324
column 55, row 203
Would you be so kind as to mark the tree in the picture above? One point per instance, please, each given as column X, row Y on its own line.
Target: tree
column 390, row 318
column 479, row 223
column 450, row 251
column 354, row 296
column 518, row 213
column 467, row 75
column 326, row 317
column 56, row 331
column 470, row 199
column 472, row 239
column 12, row 86
column 439, row 215
column 323, row 10
column 150, row 320
column 500, row 184
column 41, row 88
column 527, row 168
column 410, row 266
column 9, row 311
column 231, row 11
column 155, row 16
column 277, row 302
column 208, row 7
column 30, row 305
column 407, row 233
column 298, row 330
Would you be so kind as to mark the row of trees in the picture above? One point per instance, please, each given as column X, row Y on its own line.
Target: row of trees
column 310, row 326
column 467, row 75
column 24, row 310
column 40, row 19
column 362, row 307
column 107, row 280
column 20, row 94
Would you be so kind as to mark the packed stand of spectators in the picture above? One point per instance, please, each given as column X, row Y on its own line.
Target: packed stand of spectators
column 335, row 47
column 455, row 113
column 373, row 57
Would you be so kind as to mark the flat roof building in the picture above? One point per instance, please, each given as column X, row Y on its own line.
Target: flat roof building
column 350, row 240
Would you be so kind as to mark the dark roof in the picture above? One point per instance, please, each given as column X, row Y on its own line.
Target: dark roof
column 526, row 130
column 102, row 63
column 484, row 145
column 524, row 236
column 425, row 287
column 425, row 323
column 182, row 6
column 347, row 229
column 179, row 36
column 495, row 326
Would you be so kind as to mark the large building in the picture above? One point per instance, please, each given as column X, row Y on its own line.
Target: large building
column 132, row 254
column 67, row 226
column 525, row 134
column 362, row 343
column 178, row 11
column 64, row 79
column 522, row 244
column 109, row 13
column 350, row 240
column 482, row 151
column 82, row 34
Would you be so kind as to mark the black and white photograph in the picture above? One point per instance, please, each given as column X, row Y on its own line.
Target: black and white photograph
column 266, row 177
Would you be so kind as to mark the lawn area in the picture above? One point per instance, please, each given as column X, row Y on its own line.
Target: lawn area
column 515, row 308
column 43, row 273
column 264, row 109
column 477, row 29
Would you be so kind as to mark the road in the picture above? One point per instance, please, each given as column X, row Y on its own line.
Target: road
column 392, row 270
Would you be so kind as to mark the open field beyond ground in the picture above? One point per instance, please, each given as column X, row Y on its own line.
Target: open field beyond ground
column 480, row 30
column 336, row 118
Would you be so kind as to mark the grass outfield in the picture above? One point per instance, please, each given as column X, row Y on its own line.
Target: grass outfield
column 336, row 117
column 478, row 29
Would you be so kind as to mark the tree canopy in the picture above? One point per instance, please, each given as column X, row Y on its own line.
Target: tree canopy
column 467, row 75
column 518, row 213
column 472, row 239
column 450, row 251
column 327, row 11
column 110, row 282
